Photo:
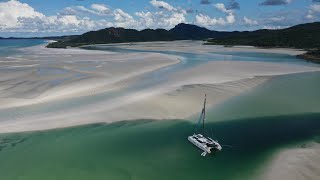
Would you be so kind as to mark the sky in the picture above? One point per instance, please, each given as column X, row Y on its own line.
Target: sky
column 29, row 18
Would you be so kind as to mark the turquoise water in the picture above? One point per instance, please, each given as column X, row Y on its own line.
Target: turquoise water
column 10, row 46
column 146, row 149
column 251, row 127
column 191, row 59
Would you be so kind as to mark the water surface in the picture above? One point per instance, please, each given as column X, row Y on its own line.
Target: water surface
column 283, row 112
column 145, row 149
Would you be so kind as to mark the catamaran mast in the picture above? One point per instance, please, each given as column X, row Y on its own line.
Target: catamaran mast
column 204, row 111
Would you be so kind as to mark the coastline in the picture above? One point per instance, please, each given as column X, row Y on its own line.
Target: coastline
column 192, row 46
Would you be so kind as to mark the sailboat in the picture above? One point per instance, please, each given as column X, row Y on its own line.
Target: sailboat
column 206, row 144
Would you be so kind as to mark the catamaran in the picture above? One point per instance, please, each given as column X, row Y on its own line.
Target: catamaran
column 206, row 144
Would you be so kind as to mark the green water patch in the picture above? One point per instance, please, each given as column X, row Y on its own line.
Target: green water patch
column 282, row 95
column 146, row 149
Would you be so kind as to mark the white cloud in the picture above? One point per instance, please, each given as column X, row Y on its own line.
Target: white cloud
column 277, row 19
column 231, row 18
column 166, row 17
column 309, row 16
column 314, row 10
column 146, row 19
column 20, row 17
column 123, row 19
column 221, row 7
column 249, row 22
column 101, row 8
column 12, row 10
column 159, row 19
column 207, row 21
column 162, row 5
column 172, row 20
column 95, row 9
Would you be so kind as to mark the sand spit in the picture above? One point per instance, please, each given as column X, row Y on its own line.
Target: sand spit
column 198, row 47
column 53, row 88
column 178, row 97
column 43, row 76
column 152, row 103
column 295, row 163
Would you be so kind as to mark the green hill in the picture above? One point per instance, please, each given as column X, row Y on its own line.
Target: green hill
column 121, row 35
column 303, row 36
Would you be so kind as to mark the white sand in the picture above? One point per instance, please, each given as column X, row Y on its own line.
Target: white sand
column 44, row 89
column 180, row 97
column 198, row 47
column 295, row 164
column 43, row 76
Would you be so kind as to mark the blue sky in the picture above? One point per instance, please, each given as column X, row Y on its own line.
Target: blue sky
column 60, row 17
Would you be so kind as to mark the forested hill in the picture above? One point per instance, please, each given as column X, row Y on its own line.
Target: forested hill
column 303, row 36
column 119, row 35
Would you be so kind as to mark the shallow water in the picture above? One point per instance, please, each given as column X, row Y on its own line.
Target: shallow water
column 218, row 54
column 10, row 46
column 146, row 149
column 151, row 79
column 252, row 127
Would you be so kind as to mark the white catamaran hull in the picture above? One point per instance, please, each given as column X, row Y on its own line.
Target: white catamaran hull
column 205, row 144
column 200, row 146
column 202, row 142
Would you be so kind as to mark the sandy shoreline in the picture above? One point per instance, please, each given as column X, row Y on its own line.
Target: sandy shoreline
column 80, row 73
column 198, row 47
column 40, row 90
column 294, row 163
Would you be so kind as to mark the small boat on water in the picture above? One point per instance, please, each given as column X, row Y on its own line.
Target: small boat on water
column 206, row 144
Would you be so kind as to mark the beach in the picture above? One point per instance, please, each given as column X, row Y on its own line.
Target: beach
column 82, row 86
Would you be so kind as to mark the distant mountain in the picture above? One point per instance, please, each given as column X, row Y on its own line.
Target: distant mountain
column 304, row 36
column 120, row 35
column 117, row 35
column 188, row 31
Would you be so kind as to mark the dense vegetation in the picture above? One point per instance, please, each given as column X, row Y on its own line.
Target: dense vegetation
column 304, row 36
column 121, row 35
column 312, row 56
